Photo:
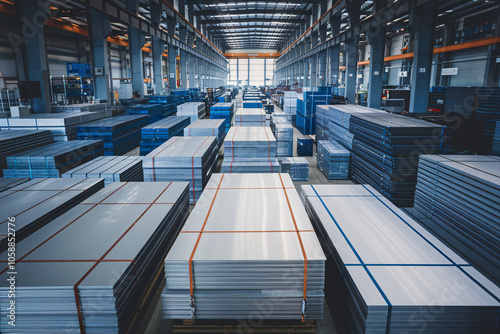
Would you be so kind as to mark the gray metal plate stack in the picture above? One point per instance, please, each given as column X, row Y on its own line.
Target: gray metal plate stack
column 97, row 262
column 12, row 142
column 385, row 272
column 101, row 108
column 251, row 117
column 207, row 127
column 191, row 159
column 333, row 160
column 460, row 197
column 111, row 169
column 194, row 110
column 284, row 139
column 496, row 140
column 38, row 201
column 249, row 240
column 281, row 118
column 63, row 125
column 297, row 167
column 54, row 159
column 10, row 182
column 250, row 150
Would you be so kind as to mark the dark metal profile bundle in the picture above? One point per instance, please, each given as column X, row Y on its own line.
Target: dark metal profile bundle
column 153, row 111
column 98, row 260
column 460, row 197
column 385, row 271
column 297, row 167
column 54, row 159
column 247, row 250
column 333, row 160
column 120, row 134
column 155, row 134
column 12, row 142
column 111, row 169
column 38, row 201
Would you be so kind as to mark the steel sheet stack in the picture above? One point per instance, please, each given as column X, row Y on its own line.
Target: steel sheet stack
column 195, row 110
column 153, row 111
column 111, row 169
column 223, row 111
column 11, row 182
column 250, row 150
column 385, row 272
column 281, row 118
column 251, row 117
column 207, row 127
column 120, row 134
column 284, row 139
column 35, row 203
column 252, row 103
column 106, row 252
column 63, row 126
column 191, row 159
column 496, row 140
column 153, row 135
column 54, row 159
column 248, row 239
column 460, row 196
column 305, row 147
column 101, row 108
column 12, row 142
column 333, row 160
column 297, row 167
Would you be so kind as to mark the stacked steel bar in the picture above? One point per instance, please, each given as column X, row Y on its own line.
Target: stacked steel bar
column 247, row 250
column 333, row 160
column 35, row 203
column 223, row 111
column 106, row 252
column 251, row 117
column 297, row 167
column 284, row 139
column 111, row 169
column 305, row 147
column 290, row 104
column 102, row 108
column 120, row 134
column 384, row 269
column 12, row 142
column 195, row 110
column 54, row 159
column 10, row 182
column 252, row 103
column 306, row 107
column 207, row 127
column 460, row 197
column 191, row 159
column 153, row 135
column 153, row 111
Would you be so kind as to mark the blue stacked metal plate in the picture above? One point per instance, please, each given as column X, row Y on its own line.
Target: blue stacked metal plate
column 488, row 112
column 251, row 117
column 305, row 124
column 10, row 182
column 153, row 135
column 252, row 103
column 385, row 272
column 195, row 110
column 191, row 159
column 290, row 104
column 250, row 150
column 305, row 147
column 167, row 101
column 306, row 107
column 284, row 139
column 12, row 142
column 333, row 159
column 207, row 127
column 297, row 167
column 247, row 251
column 154, row 111
column 107, row 252
column 495, row 149
column 54, row 159
column 120, row 134
column 459, row 195
column 111, row 169
column 223, row 111
column 37, row 202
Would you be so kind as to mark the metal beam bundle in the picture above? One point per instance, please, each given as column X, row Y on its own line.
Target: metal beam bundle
column 195, row 110
column 207, row 127
column 223, row 111
column 384, row 269
column 155, row 134
column 333, row 159
column 297, row 167
column 251, row 116
column 247, row 250
column 284, row 139
column 155, row 112
column 37, row 202
column 106, row 252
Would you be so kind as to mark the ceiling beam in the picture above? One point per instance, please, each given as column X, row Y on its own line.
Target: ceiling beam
column 263, row 20
column 217, row 2
column 211, row 12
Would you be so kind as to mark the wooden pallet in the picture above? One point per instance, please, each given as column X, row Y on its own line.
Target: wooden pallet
column 244, row 326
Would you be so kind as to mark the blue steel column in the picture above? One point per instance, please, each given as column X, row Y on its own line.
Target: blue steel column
column 423, row 24
column 172, row 62
column 158, row 49
column 137, row 40
column 183, row 69
column 376, row 39
column 191, row 70
column 334, row 51
column 351, row 46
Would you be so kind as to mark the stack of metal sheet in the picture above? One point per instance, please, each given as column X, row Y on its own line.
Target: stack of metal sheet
column 37, row 202
column 191, row 159
column 284, row 139
column 333, row 160
column 251, row 117
column 305, row 147
column 385, row 272
column 63, row 126
column 153, row 135
column 243, row 253
column 496, row 140
column 195, row 110
column 10, row 182
column 111, row 169
column 281, row 118
column 82, row 107
column 154, row 111
column 252, row 103
column 12, row 142
column 223, row 111
column 120, row 134
column 297, row 167
column 207, row 127
column 460, row 197
column 52, row 160
column 250, row 150
column 98, row 260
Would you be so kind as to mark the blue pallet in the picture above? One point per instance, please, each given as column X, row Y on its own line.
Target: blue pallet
column 305, row 147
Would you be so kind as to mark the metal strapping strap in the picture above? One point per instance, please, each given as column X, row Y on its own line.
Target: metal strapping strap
column 191, row 276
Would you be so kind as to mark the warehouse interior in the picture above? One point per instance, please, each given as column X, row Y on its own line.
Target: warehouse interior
column 206, row 166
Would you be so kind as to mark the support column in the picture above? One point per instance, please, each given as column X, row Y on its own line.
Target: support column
column 158, row 49
column 492, row 72
column 183, row 69
column 307, row 80
column 314, row 70
column 376, row 39
column 322, row 69
column 423, row 23
column 191, row 71
column 351, row 46
column 172, row 62
column 334, row 51
column 137, row 40
column 99, row 29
